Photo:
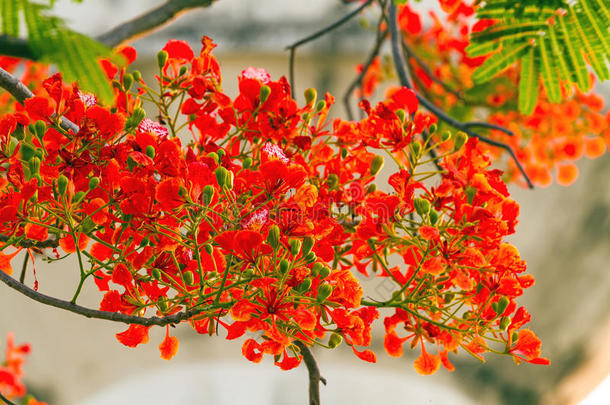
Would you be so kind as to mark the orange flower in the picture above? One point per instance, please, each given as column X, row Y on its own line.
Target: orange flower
column 5, row 262
column 68, row 245
column 528, row 345
column 567, row 174
column 594, row 147
column 306, row 196
column 169, row 346
column 427, row 363
column 134, row 335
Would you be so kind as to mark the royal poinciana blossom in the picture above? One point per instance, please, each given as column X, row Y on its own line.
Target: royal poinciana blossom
column 11, row 371
column 261, row 217
column 546, row 143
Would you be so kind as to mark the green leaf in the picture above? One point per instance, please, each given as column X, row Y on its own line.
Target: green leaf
column 479, row 49
column 528, row 83
column 549, row 74
column 498, row 62
column 10, row 17
column 572, row 45
column 562, row 64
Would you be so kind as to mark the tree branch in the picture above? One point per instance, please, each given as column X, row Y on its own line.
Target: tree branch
column 317, row 35
column 127, row 31
column 3, row 398
column 405, row 80
column 21, row 93
column 314, row 373
column 93, row 313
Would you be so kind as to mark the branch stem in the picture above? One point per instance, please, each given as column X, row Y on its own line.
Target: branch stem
column 314, row 373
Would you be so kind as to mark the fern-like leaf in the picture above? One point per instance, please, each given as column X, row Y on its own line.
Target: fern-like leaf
column 528, row 83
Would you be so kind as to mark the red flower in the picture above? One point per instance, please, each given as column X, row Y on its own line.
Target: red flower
column 134, row 335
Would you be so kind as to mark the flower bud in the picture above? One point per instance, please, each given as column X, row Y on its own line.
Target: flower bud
column 62, row 184
column 230, row 178
column 264, row 93
column 221, row 176
column 310, row 258
column 446, row 136
column 315, row 269
column 502, row 305
column 433, row 216
column 416, row 149
column 432, row 129
column 305, row 285
column 308, row 243
column 127, row 81
column 137, row 76
column 156, row 273
column 332, row 180
column 248, row 273
column 376, row 165
column 208, row 249
column 284, row 266
column 324, row 291
column 220, row 153
column 40, row 128
column 214, row 156
column 324, row 272
column 295, row 247
column 504, row 322
column 460, row 140
column 162, row 303
column 422, row 206
column 208, row 194
column 310, row 95
column 273, row 238
column 335, row 340
column 150, row 151
column 27, row 151
column 401, row 115
column 321, row 105
column 183, row 70
column 94, row 182
column 247, row 163
column 162, row 58
column 78, row 197
column 371, row 188
column 189, row 278
column 34, row 164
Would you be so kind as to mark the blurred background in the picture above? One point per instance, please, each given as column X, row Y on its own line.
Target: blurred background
column 564, row 234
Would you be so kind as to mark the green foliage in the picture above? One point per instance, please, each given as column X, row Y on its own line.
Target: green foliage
column 75, row 55
column 555, row 40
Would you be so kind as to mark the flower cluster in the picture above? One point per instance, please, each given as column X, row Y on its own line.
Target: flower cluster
column 260, row 223
column 11, row 372
column 546, row 143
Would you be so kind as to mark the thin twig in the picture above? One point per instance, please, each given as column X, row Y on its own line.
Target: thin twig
column 3, row 398
column 314, row 373
column 125, row 32
column 489, row 125
column 29, row 243
column 93, row 313
column 24, row 268
column 317, row 35
column 405, row 80
column 20, row 91
column 411, row 53
column 357, row 82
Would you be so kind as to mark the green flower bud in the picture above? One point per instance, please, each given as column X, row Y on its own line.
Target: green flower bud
column 332, row 180
column 449, row 297
column 315, row 269
column 247, row 163
column 230, row 178
column 34, row 164
column 62, row 184
column 310, row 258
column 504, row 322
column 127, row 81
column 295, row 247
column 32, row 129
column 220, row 153
column 502, row 305
column 162, row 58
column 321, row 105
column 27, row 151
column 401, row 114
column 78, row 197
column 324, row 272
column 335, row 340
column 446, row 136
column 433, row 216
column 307, row 245
column 324, row 291
column 214, row 156
column 416, row 149
column 514, row 337
column 208, row 194
column 221, row 176
column 376, row 165
column 460, row 140
column 432, row 129
column 208, row 249
column 264, row 93
column 470, row 192
column 371, row 188
column 183, row 70
column 94, row 182
column 162, row 303
column 343, row 153
column 137, row 76
column 310, row 95
column 40, row 128
column 305, row 285
column 422, row 206
column 284, row 266
column 273, row 238
column 189, row 278
column 150, row 151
